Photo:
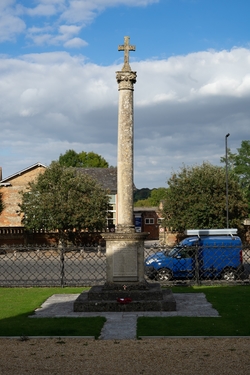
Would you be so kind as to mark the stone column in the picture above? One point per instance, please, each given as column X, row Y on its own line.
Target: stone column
column 125, row 167
column 125, row 247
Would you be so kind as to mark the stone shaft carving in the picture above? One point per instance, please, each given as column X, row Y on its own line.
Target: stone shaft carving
column 125, row 167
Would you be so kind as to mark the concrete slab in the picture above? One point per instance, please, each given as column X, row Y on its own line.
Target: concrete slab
column 122, row 325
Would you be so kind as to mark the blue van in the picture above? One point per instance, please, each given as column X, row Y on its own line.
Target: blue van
column 210, row 254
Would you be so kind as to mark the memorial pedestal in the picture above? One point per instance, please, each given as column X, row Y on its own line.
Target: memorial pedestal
column 126, row 288
column 125, row 257
column 103, row 299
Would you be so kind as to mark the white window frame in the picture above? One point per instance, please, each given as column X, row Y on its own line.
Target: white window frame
column 149, row 220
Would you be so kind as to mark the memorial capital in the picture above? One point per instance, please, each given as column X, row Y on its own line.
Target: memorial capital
column 126, row 80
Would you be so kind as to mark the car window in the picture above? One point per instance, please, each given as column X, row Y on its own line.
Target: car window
column 186, row 252
column 174, row 252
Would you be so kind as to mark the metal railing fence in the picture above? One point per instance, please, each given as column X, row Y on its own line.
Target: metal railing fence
column 86, row 266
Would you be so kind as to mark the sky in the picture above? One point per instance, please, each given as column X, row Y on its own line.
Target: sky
column 58, row 89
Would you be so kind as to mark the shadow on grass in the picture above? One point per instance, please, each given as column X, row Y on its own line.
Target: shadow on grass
column 232, row 303
column 17, row 304
column 22, row 325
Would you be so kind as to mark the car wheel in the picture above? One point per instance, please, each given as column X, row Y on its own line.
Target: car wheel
column 229, row 274
column 164, row 275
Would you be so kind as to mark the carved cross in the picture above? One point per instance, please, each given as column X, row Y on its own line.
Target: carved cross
column 126, row 47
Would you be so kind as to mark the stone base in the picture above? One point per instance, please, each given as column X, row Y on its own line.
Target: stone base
column 104, row 299
column 125, row 257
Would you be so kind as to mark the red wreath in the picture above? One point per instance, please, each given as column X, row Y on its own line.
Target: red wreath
column 124, row 301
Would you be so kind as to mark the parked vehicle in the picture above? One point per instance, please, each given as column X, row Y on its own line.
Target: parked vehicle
column 207, row 254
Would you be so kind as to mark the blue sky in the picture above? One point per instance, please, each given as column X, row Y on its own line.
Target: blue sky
column 58, row 89
column 160, row 29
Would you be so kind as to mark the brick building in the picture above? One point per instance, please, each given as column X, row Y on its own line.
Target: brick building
column 11, row 228
column 148, row 219
column 10, row 188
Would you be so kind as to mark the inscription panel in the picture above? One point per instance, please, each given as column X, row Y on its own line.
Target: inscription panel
column 125, row 262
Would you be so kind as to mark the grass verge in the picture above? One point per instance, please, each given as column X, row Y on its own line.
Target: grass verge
column 16, row 304
column 232, row 303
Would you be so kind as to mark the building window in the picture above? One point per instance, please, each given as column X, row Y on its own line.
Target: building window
column 111, row 214
column 149, row 220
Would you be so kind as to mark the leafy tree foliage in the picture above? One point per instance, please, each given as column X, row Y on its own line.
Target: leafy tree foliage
column 141, row 194
column 83, row 159
column 230, row 160
column 143, row 203
column 64, row 200
column 242, row 164
column 239, row 163
column 156, row 196
column 196, row 199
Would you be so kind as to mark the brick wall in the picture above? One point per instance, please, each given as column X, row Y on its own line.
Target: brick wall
column 11, row 196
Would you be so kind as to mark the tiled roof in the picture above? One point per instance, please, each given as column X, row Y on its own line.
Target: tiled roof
column 106, row 177
column 5, row 180
column 139, row 209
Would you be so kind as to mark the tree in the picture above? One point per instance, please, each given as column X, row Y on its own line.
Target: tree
column 141, row 194
column 156, row 196
column 64, row 200
column 242, row 165
column 239, row 163
column 230, row 160
column 196, row 199
column 82, row 160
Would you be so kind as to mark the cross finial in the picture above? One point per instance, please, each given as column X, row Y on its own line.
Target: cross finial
column 126, row 47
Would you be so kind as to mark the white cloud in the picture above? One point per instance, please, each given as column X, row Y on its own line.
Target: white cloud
column 41, row 10
column 69, row 29
column 10, row 27
column 85, row 11
column 46, row 35
column 75, row 13
column 5, row 4
column 75, row 43
column 10, row 24
column 184, row 106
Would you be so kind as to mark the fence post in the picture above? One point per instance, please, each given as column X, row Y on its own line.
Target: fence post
column 82, row 253
column 197, row 266
column 62, row 265
column 99, row 254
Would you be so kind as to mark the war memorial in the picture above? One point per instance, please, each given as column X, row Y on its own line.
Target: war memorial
column 125, row 288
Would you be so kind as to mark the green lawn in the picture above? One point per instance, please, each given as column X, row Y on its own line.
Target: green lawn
column 16, row 304
column 232, row 303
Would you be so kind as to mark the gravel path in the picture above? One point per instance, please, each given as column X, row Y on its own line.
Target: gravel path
column 125, row 357
column 112, row 356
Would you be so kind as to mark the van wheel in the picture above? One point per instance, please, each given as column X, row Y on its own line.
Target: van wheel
column 164, row 275
column 229, row 274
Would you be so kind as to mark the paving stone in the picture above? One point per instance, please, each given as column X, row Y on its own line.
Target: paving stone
column 122, row 325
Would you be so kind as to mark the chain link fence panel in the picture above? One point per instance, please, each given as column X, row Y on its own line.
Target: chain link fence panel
column 49, row 266
column 25, row 266
column 198, row 266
